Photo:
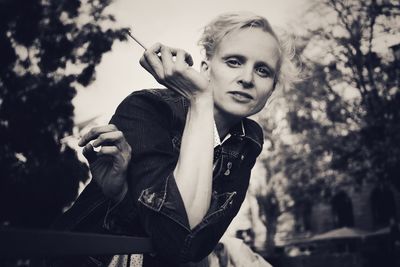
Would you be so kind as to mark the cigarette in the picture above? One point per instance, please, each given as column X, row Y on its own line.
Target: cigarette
column 136, row 40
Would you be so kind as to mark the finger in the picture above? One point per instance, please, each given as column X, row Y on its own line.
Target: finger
column 114, row 137
column 94, row 132
column 184, row 56
column 152, row 58
column 127, row 148
column 143, row 62
column 109, row 151
column 167, row 61
column 180, row 62
column 89, row 153
column 115, row 154
column 155, row 48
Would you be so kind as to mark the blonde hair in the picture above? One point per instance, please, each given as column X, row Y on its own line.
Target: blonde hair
column 287, row 72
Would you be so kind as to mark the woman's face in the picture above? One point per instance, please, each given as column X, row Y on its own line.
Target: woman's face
column 241, row 72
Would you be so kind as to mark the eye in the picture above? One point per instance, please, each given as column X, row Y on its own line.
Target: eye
column 263, row 71
column 233, row 62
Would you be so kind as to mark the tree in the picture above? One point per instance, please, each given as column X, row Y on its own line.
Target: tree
column 47, row 50
column 341, row 125
column 370, row 152
column 364, row 127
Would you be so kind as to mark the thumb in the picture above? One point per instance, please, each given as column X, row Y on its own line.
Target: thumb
column 89, row 153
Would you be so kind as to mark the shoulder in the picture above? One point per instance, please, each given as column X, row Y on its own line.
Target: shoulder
column 153, row 97
column 253, row 131
column 156, row 101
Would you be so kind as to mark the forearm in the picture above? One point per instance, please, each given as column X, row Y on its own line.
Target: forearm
column 193, row 172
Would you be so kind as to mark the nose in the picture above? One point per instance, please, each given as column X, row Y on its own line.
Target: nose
column 246, row 77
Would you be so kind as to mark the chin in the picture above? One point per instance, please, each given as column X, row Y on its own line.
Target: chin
column 237, row 111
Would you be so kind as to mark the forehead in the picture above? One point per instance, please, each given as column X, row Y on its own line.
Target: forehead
column 253, row 43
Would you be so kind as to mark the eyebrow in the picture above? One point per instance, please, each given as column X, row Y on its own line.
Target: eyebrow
column 258, row 63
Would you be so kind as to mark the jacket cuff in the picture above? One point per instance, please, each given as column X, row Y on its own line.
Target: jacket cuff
column 166, row 199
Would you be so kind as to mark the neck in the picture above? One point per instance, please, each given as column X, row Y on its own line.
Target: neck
column 224, row 122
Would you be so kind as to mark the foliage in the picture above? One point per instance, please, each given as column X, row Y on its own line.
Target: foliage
column 47, row 50
column 370, row 149
column 357, row 91
column 341, row 125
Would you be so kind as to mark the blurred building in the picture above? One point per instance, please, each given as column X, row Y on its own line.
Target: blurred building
column 367, row 207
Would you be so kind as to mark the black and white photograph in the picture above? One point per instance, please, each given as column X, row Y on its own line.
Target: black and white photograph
column 213, row 133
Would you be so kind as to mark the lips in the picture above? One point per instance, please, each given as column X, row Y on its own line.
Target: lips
column 241, row 94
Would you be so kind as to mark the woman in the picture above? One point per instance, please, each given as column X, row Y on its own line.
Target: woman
column 193, row 145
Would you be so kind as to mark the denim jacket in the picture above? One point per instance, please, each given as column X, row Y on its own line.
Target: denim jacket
column 152, row 122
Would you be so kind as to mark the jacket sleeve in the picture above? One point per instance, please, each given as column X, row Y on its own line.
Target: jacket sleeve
column 145, row 121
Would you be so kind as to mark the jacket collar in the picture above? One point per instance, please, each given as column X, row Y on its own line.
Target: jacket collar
column 245, row 129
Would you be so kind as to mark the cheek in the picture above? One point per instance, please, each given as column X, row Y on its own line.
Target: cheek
column 264, row 93
column 259, row 105
column 265, row 87
column 220, row 75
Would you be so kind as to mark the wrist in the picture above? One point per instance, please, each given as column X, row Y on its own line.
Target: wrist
column 203, row 100
column 122, row 194
column 116, row 191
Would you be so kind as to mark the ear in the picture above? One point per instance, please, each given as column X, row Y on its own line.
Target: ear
column 205, row 68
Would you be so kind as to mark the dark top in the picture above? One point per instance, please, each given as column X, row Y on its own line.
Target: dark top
column 152, row 122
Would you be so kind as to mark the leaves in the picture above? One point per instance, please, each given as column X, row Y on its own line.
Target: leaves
column 38, row 39
column 342, row 122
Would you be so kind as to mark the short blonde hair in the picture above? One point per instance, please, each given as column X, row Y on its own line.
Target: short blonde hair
column 286, row 72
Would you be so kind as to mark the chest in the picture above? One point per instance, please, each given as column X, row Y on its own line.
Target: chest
column 230, row 163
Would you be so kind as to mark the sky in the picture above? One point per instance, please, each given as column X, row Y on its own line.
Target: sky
column 176, row 23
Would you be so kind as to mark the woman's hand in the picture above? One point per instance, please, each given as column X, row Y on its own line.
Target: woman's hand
column 109, row 165
column 172, row 68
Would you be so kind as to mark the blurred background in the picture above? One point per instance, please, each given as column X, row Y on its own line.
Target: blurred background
column 325, row 190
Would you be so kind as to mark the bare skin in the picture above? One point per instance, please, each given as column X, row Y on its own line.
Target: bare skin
column 109, row 165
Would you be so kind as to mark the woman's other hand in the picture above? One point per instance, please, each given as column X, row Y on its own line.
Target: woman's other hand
column 172, row 68
column 109, row 165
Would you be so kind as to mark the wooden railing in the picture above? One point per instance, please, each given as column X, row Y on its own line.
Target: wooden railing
column 28, row 243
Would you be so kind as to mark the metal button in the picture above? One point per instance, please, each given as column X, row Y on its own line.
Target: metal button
column 229, row 165
column 242, row 157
